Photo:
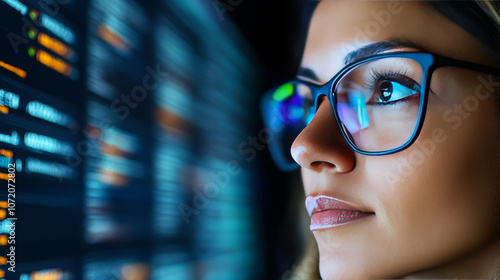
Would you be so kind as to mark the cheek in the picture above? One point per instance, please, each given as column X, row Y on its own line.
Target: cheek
column 442, row 199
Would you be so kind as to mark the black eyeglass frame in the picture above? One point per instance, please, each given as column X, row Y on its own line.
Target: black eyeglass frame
column 429, row 63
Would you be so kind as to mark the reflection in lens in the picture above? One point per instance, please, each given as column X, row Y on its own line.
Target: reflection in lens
column 378, row 103
column 287, row 111
column 283, row 92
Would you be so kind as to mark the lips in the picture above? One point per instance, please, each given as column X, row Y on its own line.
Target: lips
column 328, row 212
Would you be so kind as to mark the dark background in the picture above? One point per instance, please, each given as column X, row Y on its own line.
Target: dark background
column 117, row 214
column 276, row 31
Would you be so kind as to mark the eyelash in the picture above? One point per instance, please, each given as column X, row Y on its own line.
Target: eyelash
column 390, row 75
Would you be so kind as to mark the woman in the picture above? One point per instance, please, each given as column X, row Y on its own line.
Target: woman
column 391, row 195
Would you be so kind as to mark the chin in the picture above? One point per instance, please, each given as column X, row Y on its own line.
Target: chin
column 334, row 267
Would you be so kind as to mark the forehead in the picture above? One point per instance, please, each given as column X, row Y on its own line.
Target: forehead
column 340, row 27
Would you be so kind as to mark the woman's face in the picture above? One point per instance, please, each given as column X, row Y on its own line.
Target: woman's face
column 431, row 210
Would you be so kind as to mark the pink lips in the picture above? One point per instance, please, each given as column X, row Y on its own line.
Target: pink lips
column 328, row 212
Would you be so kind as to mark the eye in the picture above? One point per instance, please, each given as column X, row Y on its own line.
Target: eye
column 388, row 92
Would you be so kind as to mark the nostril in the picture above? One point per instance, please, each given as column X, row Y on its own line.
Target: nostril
column 319, row 166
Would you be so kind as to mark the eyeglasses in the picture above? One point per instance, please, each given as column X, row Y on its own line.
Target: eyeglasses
column 379, row 103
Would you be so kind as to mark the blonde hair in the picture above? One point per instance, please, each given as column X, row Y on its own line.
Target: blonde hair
column 496, row 276
column 492, row 9
column 308, row 266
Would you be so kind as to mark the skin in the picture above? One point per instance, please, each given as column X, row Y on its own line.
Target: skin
column 438, row 219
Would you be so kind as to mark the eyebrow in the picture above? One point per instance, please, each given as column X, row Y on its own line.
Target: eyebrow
column 364, row 52
column 378, row 47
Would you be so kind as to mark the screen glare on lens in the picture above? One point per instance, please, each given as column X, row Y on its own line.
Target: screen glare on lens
column 283, row 92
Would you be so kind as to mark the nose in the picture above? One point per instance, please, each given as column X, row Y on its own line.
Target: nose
column 321, row 146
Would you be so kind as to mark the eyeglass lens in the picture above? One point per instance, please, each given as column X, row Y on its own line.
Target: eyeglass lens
column 378, row 103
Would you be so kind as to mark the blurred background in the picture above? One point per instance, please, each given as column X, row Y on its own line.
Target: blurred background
column 138, row 146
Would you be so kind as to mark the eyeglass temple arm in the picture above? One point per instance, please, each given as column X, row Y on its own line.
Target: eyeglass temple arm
column 448, row 61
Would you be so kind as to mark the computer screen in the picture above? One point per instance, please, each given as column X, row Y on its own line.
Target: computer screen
column 120, row 123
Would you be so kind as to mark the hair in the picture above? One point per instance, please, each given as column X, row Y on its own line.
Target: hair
column 479, row 18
